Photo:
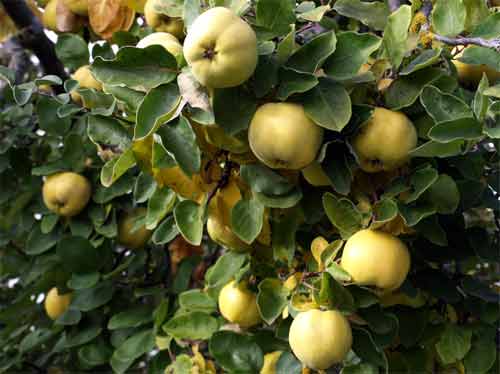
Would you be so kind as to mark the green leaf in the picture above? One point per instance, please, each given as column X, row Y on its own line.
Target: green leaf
column 481, row 357
column 338, row 273
column 22, row 92
column 247, row 218
column 463, row 128
column 166, row 231
column 265, row 180
column 179, row 140
column 197, row 300
column 352, row 51
column 309, row 57
column 137, row 68
column 233, row 109
column 328, row 105
column 288, row 364
column 130, row 98
column 336, row 166
column 189, row 219
column 99, row 102
column 193, row 325
column 275, row 15
column 131, row 318
column 115, row 168
column 343, row 214
column 360, row 369
column 83, row 336
column 284, row 229
column 144, row 187
column 293, row 82
column 432, row 231
column 365, row 348
column 121, row 187
column 160, row 204
column 396, row 34
column 192, row 9
column 78, row 255
column 489, row 28
column 95, row 354
column 413, row 213
column 38, row 242
column 333, row 295
column 271, row 299
column 405, row 90
column 448, row 17
column 481, row 102
column 444, row 195
column 132, row 348
column 420, row 181
column 286, row 46
column 159, row 106
column 107, row 131
column 384, row 210
column 48, row 120
column 440, row 150
column 225, row 268
column 288, row 200
column 72, row 50
column 80, row 281
column 8, row 75
column 478, row 55
column 442, row 106
column 427, row 58
column 92, row 298
column 235, row 352
column 372, row 14
column 493, row 91
column 454, row 344
column 48, row 223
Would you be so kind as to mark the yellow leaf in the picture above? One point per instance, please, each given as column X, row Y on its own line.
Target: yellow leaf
column 188, row 187
column 318, row 245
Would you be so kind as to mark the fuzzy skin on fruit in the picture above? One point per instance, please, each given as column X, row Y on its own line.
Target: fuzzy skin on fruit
column 270, row 361
column 384, row 141
column 376, row 258
column 472, row 74
column 85, row 79
column 55, row 304
column 166, row 40
column 133, row 239
column 315, row 175
column 320, row 339
column 221, row 49
column 283, row 137
column 66, row 193
column 238, row 304
column 80, row 7
column 161, row 22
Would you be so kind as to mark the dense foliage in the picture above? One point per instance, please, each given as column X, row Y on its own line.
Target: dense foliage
column 178, row 207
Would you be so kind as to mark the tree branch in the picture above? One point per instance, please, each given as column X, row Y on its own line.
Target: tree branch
column 19, row 60
column 459, row 40
column 32, row 37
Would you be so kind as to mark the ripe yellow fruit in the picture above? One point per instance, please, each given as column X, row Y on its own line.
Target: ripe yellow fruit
column 315, row 175
column 376, row 258
column 162, row 22
column 166, row 40
column 56, row 304
column 222, row 235
column 80, row 7
column 320, row 339
column 85, row 79
column 66, row 193
column 49, row 18
column 238, row 304
column 472, row 74
column 270, row 361
column 384, row 141
column 221, row 49
column 283, row 137
column 127, row 236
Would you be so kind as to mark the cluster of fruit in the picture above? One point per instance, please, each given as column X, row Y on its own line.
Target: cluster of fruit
column 281, row 136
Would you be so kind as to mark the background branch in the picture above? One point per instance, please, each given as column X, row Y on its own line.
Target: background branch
column 19, row 60
column 394, row 5
column 32, row 36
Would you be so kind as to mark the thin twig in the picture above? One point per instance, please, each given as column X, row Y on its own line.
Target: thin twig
column 224, row 179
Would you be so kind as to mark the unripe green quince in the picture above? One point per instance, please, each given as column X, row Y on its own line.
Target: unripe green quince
column 221, row 49
column 133, row 239
column 383, row 143
column 376, row 258
column 283, row 137
column 320, row 339
column 66, row 193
